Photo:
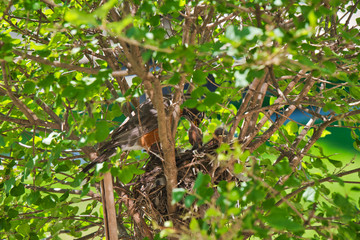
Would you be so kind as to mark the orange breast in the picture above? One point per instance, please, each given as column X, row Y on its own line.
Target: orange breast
column 147, row 140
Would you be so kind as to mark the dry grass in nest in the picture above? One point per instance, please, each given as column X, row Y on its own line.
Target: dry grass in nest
column 149, row 190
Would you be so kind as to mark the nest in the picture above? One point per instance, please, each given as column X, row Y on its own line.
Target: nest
column 150, row 188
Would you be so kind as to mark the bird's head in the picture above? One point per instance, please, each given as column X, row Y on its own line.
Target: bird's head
column 220, row 134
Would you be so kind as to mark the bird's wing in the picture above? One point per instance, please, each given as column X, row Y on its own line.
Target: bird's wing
column 141, row 121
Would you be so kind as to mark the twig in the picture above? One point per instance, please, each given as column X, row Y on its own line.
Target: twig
column 310, row 184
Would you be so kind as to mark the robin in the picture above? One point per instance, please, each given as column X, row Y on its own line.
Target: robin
column 139, row 131
column 219, row 136
column 195, row 136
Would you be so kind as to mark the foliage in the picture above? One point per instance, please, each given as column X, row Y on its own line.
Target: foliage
column 67, row 69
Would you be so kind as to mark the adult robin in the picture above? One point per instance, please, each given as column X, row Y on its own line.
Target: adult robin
column 139, row 131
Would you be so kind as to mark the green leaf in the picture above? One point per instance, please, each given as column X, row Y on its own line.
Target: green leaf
column 70, row 92
column 33, row 236
column 199, row 77
column 312, row 19
column 194, row 225
column 5, row 224
column 118, row 27
column 199, row 92
column 18, row 190
column 175, row 79
column 337, row 179
column 126, row 173
column 355, row 91
column 212, row 212
column 340, row 200
column 9, row 184
column 13, row 213
column 64, row 196
column 293, row 181
column 306, row 61
column 325, row 133
column 177, row 195
column 48, row 202
column 317, row 162
column 62, row 167
column 85, row 190
column 280, row 219
column 102, row 11
column 189, row 200
column 78, row 18
column 212, row 98
column 201, row 180
column 257, row 195
column 238, row 168
column 292, row 128
column 309, row 194
column 355, row 189
column 102, row 131
column 2, row 141
column 29, row 87
column 205, row 192
column 78, row 180
column 330, row 67
column 283, row 168
column 243, row 155
column 336, row 163
column 33, row 197
column 191, row 103
column 23, row 229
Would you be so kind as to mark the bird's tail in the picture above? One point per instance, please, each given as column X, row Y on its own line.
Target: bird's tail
column 91, row 165
column 102, row 158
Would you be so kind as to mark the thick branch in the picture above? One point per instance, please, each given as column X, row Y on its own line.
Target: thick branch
column 167, row 142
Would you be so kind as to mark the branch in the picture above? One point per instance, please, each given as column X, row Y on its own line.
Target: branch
column 243, row 107
column 48, row 110
column 317, row 134
column 57, row 63
column 27, row 123
column 309, row 184
column 23, row 108
column 57, row 190
column 131, row 209
column 274, row 127
column 50, row 3
column 257, row 100
column 167, row 142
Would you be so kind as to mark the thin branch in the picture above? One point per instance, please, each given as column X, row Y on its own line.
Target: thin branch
column 310, row 184
column 57, row 190
column 57, row 63
column 23, row 108
column 279, row 122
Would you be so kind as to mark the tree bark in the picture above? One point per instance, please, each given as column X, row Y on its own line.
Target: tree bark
column 110, row 222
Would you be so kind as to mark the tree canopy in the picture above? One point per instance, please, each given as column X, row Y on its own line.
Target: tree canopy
column 72, row 71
